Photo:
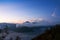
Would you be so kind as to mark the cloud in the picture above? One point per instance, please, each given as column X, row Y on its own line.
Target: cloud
column 36, row 19
column 54, row 14
column 36, row 22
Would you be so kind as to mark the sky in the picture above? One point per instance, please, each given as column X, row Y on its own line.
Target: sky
column 19, row 11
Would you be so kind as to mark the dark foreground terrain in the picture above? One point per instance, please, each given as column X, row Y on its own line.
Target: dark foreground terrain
column 30, row 33
column 52, row 34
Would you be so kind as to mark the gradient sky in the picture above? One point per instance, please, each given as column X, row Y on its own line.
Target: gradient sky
column 18, row 11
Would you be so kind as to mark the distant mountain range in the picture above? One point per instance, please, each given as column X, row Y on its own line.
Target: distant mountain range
column 35, row 23
column 26, row 27
column 10, row 25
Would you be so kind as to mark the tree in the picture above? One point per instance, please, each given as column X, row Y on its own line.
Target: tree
column 18, row 38
column 1, row 38
column 0, row 30
column 6, row 29
column 11, row 38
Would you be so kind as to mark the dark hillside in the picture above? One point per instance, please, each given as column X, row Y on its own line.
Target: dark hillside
column 52, row 34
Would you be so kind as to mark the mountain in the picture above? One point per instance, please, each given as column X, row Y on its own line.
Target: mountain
column 10, row 25
column 52, row 34
column 36, row 23
column 27, row 23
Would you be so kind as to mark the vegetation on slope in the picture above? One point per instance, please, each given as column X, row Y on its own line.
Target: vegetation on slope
column 52, row 34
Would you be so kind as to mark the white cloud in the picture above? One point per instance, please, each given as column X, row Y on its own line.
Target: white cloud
column 36, row 19
column 53, row 14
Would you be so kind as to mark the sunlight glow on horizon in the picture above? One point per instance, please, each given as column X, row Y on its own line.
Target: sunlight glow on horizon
column 11, row 14
column 19, row 21
column 21, row 11
column 10, row 21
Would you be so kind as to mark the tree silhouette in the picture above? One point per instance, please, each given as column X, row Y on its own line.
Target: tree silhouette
column 52, row 34
column 6, row 29
column 1, row 38
column 0, row 30
column 18, row 38
column 11, row 38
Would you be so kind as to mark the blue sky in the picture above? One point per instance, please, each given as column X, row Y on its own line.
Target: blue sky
column 26, row 10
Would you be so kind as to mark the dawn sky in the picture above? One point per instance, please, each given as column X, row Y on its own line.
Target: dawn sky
column 18, row 11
